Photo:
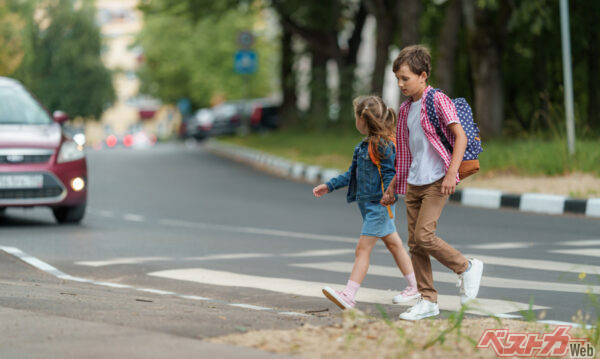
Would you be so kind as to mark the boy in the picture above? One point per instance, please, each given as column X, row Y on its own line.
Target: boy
column 427, row 173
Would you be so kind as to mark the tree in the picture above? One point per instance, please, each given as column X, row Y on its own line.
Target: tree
column 12, row 37
column 64, row 68
column 486, row 25
column 190, row 54
column 319, row 25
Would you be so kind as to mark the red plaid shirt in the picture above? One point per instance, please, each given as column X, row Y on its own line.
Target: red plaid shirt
column 446, row 114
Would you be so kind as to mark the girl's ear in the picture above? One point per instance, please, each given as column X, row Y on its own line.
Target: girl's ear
column 423, row 76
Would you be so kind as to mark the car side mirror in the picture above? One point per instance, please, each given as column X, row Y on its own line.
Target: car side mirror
column 60, row 117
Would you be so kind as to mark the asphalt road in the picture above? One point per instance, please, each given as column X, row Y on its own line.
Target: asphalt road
column 181, row 220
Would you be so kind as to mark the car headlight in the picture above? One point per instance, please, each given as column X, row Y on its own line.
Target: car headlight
column 70, row 151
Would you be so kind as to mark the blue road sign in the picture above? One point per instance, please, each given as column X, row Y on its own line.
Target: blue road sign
column 245, row 62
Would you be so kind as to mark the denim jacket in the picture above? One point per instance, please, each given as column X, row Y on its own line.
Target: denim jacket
column 362, row 178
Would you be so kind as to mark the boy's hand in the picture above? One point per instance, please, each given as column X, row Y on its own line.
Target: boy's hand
column 388, row 198
column 449, row 184
column 320, row 190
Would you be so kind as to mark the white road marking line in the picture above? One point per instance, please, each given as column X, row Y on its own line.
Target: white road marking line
column 45, row 267
column 508, row 316
column 537, row 264
column 448, row 277
column 249, row 306
column 155, row 291
column 131, row 260
column 590, row 252
column 252, row 230
column 320, row 253
column 313, row 289
column 507, row 245
column 193, row 297
column 133, row 217
column 112, row 285
column 229, row 256
column 138, row 260
column 581, row 243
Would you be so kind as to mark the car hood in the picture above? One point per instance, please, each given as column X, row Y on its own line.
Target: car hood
column 30, row 135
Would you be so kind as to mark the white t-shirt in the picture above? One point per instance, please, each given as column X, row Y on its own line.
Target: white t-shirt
column 427, row 166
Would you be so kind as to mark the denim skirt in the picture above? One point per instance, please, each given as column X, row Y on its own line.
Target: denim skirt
column 376, row 220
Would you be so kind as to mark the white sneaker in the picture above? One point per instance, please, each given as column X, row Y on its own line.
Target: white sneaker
column 408, row 294
column 423, row 309
column 469, row 281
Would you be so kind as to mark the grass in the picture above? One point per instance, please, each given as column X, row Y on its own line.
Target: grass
column 519, row 157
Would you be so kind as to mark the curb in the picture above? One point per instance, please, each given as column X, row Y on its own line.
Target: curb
column 473, row 197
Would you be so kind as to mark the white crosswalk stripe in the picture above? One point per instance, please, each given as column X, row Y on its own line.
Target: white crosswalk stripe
column 581, row 243
column 537, row 264
column 448, row 277
column 313, row 289
column 589, row 252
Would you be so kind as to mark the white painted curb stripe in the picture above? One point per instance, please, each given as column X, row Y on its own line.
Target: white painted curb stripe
column 529, row 202
column 542, row 203
column 481, row 197
column 45, row 267
column 593, row 207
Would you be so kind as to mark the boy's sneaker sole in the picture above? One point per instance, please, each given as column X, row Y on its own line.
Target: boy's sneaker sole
column 335, row 298
column 434, row 313
column 400, row 299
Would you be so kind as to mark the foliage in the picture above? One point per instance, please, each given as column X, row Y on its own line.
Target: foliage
column 63, row 67
column 12, row 42
column 192, row 58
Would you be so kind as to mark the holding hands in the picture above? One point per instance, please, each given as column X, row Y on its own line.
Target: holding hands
column 320, row 190
column 388, row 197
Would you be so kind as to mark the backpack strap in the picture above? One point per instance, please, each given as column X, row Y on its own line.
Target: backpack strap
column 433, row 119
column 377, row 163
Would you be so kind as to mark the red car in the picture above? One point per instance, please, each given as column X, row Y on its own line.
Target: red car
column 39, row 164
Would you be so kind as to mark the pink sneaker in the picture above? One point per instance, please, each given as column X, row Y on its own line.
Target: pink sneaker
column 408, row 294
column 339, row 298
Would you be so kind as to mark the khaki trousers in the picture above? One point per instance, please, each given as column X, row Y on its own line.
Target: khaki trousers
column 424, row 205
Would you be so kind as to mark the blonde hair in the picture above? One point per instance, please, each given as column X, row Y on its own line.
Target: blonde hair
column 380, row 120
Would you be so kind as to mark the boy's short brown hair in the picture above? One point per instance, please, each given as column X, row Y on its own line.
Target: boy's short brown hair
column 417, row 58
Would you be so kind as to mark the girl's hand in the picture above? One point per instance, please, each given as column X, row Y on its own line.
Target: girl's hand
column 449, row 184
column 388, row 198
column 320, row 190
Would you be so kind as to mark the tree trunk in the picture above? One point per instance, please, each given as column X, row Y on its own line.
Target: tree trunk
column 448, row 44
column 410, row 16
column 288, row 80
column 347, row 66
column 593, row 65
column 319, row 92
column 485, row 37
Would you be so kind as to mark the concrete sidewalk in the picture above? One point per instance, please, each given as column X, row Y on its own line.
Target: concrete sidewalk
column 43, row 317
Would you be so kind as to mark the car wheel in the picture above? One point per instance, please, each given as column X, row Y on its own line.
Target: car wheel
column 2, row 211
column 69, row 214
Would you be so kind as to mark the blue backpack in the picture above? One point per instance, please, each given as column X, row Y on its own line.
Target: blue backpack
column 470, row 162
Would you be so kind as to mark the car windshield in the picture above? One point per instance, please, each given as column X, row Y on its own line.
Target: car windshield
column 20, row 108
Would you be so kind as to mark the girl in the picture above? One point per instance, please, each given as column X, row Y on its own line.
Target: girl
column 364, row 180
column 428, row 173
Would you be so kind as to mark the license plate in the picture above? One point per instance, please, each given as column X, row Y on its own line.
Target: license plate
column 21, row 181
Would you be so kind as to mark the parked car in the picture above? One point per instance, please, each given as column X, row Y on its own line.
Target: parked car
column 39, row 164
column 227, row 119
column 265, row 116
column 200, row 125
